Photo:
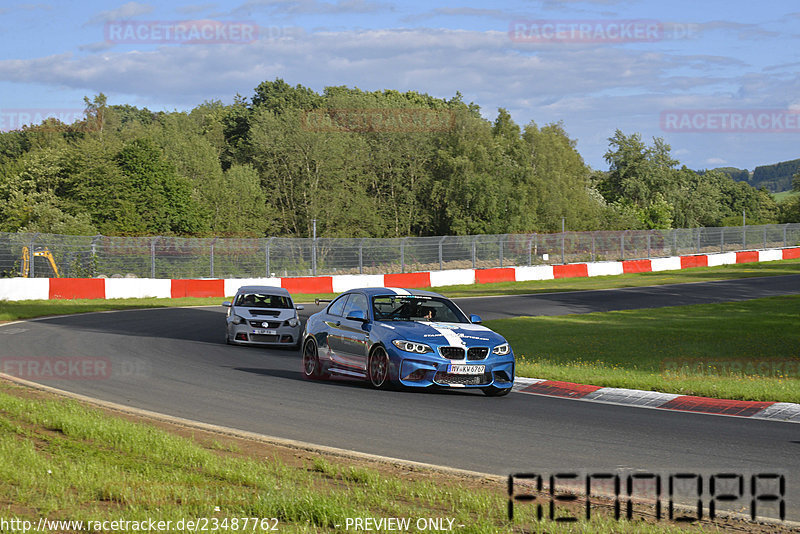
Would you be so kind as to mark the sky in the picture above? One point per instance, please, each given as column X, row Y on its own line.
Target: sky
column 718, row 80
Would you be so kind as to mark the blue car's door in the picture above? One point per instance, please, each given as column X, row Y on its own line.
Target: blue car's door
column 353, row 334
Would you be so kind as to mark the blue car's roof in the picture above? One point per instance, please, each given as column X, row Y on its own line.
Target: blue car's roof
column 375, row 291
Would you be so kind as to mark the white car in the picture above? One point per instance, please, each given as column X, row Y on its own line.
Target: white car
column 262, row 315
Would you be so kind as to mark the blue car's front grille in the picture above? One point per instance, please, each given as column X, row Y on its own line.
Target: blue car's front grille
column 452, row 353
column 457, row 353
column 477, row 353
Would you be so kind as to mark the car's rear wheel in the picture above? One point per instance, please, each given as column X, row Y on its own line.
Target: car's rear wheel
column 378, row 368
column 311, row 365
column 492, row 391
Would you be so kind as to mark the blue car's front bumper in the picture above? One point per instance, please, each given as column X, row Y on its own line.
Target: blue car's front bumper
column 423, row 371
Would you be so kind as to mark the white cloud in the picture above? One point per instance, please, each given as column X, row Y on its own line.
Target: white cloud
column 593, row 89
column 123, row 12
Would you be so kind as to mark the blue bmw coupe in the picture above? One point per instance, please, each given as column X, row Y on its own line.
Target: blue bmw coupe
column 405, row 337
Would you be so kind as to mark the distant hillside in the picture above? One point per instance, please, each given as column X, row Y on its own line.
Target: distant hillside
column 740, row 175
column 776, row 177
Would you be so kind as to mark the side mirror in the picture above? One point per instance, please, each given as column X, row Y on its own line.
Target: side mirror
column 475, row 319
column 356, row 315
column 299, row 307
column 227, row 304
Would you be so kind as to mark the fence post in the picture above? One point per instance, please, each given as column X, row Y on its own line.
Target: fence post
column 94, row 254
column 361, row 256
column 593, row 246
column 530, row 249
column 502, row 237
column 267, row 256
column 784, row 235
column 563, row 236
column 314, row 249
column 744, row 236
column 153, row 257
column 440, row 252
column 474, row 251
column 31, row 255
column 212, row 256
column 648, row 246
column 622, row 244
column 674, row 242
column 765, row 238
column 403, row 255
column 722, row 239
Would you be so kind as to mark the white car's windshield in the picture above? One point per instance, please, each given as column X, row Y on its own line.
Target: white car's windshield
column 416, row 308
column 257, row 300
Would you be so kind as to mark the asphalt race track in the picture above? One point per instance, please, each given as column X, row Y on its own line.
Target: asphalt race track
column 174, row 361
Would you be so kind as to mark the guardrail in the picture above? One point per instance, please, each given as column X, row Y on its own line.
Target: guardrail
column 174, row 257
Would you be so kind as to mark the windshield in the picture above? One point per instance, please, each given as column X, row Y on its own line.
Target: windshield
column 416, row 308
column 259, row 300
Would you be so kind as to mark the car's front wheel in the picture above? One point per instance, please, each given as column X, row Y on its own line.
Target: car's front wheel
column 378, row 368
column 311, row 365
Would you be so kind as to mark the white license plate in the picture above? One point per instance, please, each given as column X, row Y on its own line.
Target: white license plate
column 265, row 332
column 460, row 369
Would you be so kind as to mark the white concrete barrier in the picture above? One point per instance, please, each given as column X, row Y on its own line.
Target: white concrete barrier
column 604, row 268
column 24, row 288
column 452, row 277
column 126, row 288
column 345, row 282
column 665, row 264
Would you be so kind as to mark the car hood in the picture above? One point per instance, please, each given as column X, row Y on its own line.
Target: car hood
column 441, row 334
column 264, row 314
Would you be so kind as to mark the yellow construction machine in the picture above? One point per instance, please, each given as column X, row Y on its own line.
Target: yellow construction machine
column 39, row 253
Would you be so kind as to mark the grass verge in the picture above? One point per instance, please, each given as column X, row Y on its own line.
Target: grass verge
column 701, row 349
column 63, row 460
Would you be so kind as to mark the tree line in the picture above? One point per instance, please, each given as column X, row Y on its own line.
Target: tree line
column 260, row 167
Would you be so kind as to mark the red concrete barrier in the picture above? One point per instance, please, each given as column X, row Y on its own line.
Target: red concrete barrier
column 687, row 262
column 315, row 284
column 791, row 253
column 407, row 280
column 77, row 288
column 573, row 270
column 490, row 276
column 197, row 288
column 636, row 266
column 748, row 256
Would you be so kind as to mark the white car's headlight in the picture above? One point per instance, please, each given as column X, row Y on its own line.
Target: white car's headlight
column 293, row 322
column 502, row 350
column 411, row 346
column 238, row 320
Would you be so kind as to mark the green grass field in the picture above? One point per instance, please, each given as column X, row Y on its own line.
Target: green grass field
column 784, row 195
column 660, row 349
column 65, row 461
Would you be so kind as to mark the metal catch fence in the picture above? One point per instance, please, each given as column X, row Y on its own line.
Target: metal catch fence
column 49, row 255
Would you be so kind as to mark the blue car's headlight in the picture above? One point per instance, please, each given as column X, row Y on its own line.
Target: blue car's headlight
column 502, row 350
column 411, row 346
